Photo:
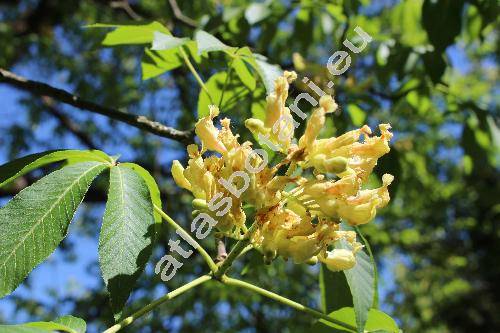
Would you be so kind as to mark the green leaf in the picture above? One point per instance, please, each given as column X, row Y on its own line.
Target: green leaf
column 21, row 329
column 358, row 116
column 23, row 165
column 192, row 47
column 244, row 73
column 377, row 321
column 127, row 234
column 269, row 73
column 335, row 293
column 50, row 326
column 163, row 41
column 435, row 65
column 226, row 92
column 256, row 12
column 304, row 28
column 155, row 63
column 443, row 22
column 360, row 279
column 374, row 266
column 68, row 324
column 36, row 220
column 154, row 191
column 164, row 54
column 405, row 21
column 130, row 34
column 258, row 108
column 209, row 43
column 75, row 323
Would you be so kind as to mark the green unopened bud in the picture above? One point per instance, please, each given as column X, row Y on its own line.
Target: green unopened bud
column 200, row 204
column 195, row 213
column 335, row 164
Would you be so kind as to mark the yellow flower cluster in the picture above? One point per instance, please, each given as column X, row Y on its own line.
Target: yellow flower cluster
column 298, row 213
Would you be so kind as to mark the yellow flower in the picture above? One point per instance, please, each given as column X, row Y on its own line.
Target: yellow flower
column 178, row 175
column 297, row 214
column 317, row 121
column 362, row 208
column 208, row 133
column 278, row 125
column 338, row 259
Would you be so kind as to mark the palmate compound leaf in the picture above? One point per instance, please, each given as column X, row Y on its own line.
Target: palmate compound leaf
column 16, row 168
column 127, row 234
column 36, row 220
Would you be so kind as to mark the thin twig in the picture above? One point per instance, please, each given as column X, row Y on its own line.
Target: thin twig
column 68, row 123
column 195, row 73
column 148, row 308
column 197, row 246
column 180, row 16
column 124, row 4
column 286, row 301
column 141, row 122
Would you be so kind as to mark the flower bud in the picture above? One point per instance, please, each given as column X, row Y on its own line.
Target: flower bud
column 335, row 164
column 255, row 125
column 339, row 260
column 200, row 204
column 178, row 175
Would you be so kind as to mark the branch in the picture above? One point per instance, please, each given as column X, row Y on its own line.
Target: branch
column 180, row 16
column 124, row 4
column 141, row 122
column 67, row 123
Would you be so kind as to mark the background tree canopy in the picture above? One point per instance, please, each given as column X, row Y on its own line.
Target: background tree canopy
column 431, row 71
